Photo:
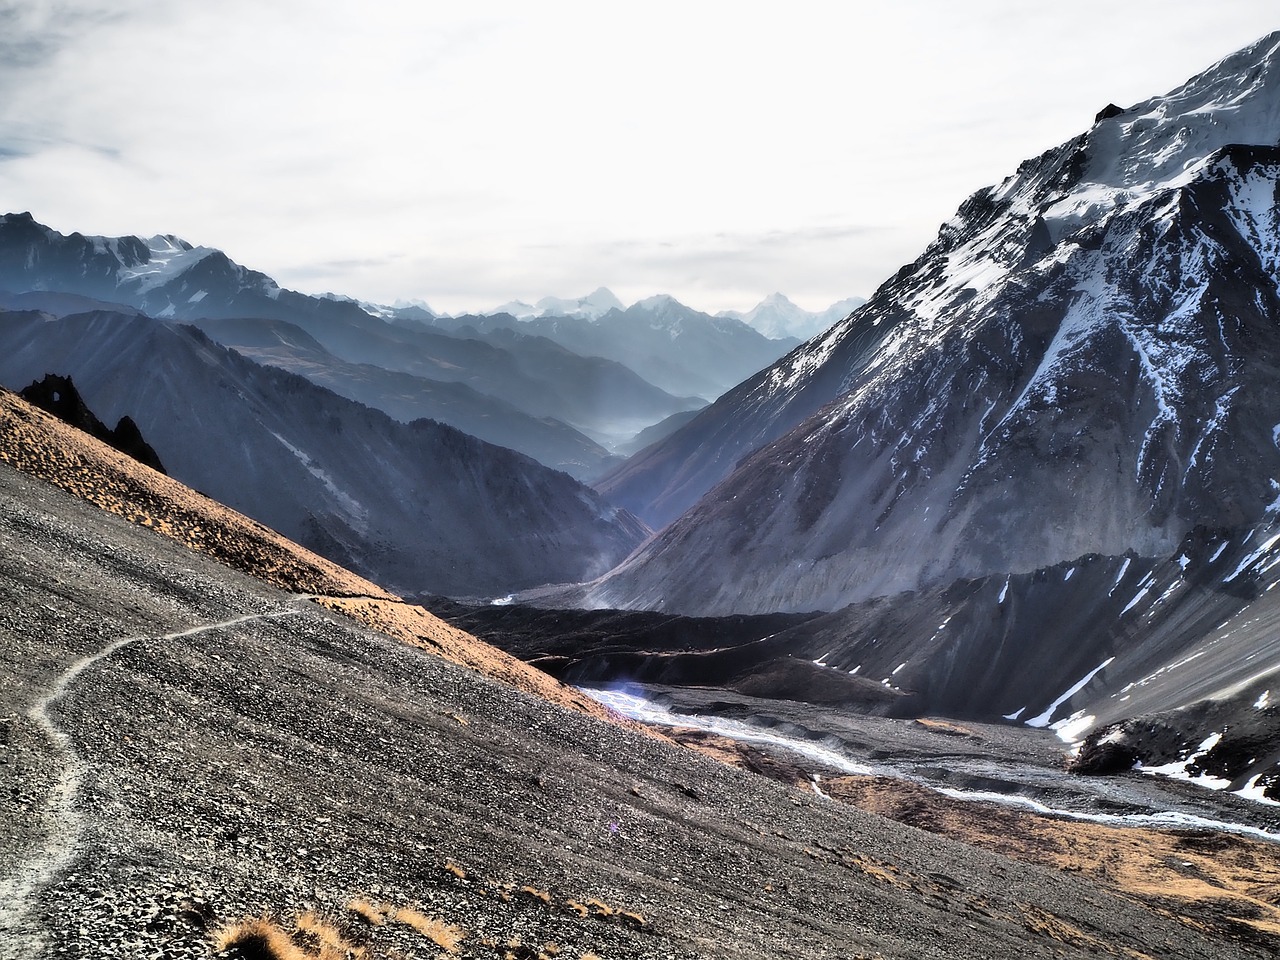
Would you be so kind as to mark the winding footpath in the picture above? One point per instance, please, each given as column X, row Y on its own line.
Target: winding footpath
column 65, row 822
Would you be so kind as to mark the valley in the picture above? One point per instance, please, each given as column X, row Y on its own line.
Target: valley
column 939, row 624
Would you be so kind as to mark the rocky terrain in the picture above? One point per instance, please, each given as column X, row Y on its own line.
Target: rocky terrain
column 187, row 747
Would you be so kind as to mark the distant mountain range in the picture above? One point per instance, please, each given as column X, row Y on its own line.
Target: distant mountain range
column 523, row 378
column 681, row 350
column 418, row 506
column 779, row 319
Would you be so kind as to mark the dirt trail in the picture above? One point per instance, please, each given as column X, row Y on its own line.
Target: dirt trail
column 66, row 822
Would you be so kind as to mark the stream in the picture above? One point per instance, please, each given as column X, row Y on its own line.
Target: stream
column 1125, row 801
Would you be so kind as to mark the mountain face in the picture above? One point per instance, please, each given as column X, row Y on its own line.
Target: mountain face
column 169, row 278
column 416, row 506
column 778, row 318
column 1083, row 362
column 59, row 396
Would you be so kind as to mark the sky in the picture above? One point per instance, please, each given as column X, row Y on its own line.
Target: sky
column 471, row 154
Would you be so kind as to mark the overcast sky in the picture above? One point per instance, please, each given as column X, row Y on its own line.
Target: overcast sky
column 472, row 153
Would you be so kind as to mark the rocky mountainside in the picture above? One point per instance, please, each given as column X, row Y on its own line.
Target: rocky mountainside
column 194, row 756
column 1036, row 476
column 167, row 277
column 408, row 397
column 682, row 350
column 59, row 396
column 416, row 506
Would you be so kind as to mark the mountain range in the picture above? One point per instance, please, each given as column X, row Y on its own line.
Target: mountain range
column 220, row 743
column 420, row 505
column 169, row 278
column 682, row 350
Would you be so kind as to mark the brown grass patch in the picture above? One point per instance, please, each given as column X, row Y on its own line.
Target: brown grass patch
column 371, row 914
column 1220, row 883
column 444, row 935
column 322, row 939
column 944, row 727
column 258, row 938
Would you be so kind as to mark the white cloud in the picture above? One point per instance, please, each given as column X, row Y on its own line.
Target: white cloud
column 500, row 150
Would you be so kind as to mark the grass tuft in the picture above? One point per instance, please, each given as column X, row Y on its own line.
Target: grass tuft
column 444, row 935
column 259, row 938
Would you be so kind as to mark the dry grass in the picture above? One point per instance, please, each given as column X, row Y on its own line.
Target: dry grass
column 944, row 727
column 444, row 935
column 370, row 913
column 258, row 938
column 533, row 893
column 323, row 939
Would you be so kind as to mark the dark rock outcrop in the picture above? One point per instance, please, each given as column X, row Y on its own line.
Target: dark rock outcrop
column 58, row 395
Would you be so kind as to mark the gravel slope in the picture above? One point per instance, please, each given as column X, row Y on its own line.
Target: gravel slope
column 294, row 761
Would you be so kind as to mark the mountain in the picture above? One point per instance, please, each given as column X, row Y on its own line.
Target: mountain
column 419, row 506
column 402, row 311
column 778, row 318
column 591, row 307
column 169, row 278
column 408, row 397
column 1082, row 362
column 59, row 396
column 682, row 350
column 1078, row 374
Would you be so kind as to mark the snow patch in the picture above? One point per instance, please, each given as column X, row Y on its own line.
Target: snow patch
column 1043, row 719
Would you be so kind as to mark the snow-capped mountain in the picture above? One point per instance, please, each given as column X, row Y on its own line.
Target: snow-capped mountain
column 778, row 318
column 412, row 311
column 1082, row 362
column 1037, row 475
column 418, row 507
column 591, row 307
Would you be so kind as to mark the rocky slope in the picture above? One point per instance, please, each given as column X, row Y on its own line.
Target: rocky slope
column 188, row 748
column 416, row 506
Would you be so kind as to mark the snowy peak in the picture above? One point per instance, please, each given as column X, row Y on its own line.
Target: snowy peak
column 1236, row 101
column 1159, row 144
column 778, row 318
column 591, row 307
